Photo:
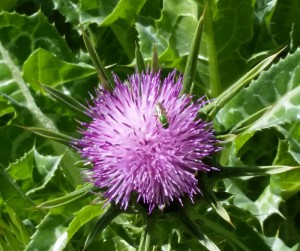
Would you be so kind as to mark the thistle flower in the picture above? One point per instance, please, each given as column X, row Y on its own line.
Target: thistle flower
column 145, row 138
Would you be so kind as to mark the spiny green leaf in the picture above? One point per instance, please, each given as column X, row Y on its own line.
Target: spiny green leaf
column 70, row 9
column 28, row 33
column 171, row 33
column 34, row 164
column 267, row 203
column 218, row 103
column 283, row 111
column 44, row 67
column 146, row 29
column 100, row 12
column 276, row 89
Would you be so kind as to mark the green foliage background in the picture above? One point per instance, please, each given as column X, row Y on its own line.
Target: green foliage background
column 45, row 205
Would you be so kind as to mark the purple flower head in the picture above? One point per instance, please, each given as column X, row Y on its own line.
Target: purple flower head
column 145, row 138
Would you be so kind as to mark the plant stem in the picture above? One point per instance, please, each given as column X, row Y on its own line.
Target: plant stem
column 145, row 242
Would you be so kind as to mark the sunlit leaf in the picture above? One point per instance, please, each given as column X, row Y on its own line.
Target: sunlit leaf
column 43, row 67
column 286, row 184
column 213, row 107
column 267, row 203
column 51, row 234
column 83, row 216
column 179, row 17
column 32, row 165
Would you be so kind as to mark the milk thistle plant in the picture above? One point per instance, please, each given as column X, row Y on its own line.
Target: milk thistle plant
column 149, row 125
column 145, row 138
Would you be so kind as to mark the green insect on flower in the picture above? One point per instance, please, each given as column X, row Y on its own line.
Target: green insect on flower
column 162, row 115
